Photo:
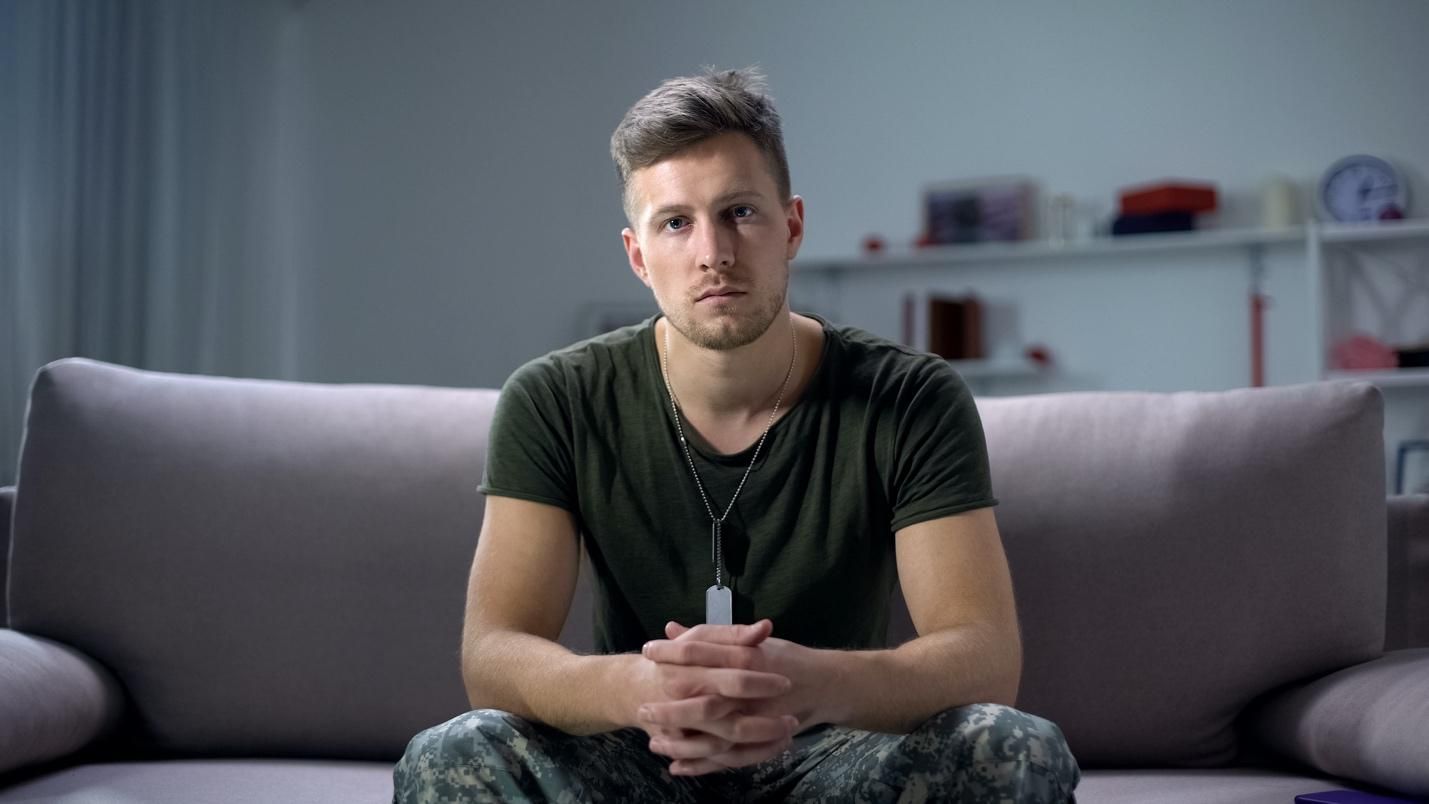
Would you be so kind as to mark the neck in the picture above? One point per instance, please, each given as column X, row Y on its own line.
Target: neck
column 732, row 384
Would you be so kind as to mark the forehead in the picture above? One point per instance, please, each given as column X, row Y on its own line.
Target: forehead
column 707, row 170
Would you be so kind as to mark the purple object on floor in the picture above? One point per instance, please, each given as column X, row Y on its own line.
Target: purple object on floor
column 1348, row 797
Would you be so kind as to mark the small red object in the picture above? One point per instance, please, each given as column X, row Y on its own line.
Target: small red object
column 1168, row 196
column 1360, row 352
column 1391, row 212
column 1039, row 354
column 872, row 244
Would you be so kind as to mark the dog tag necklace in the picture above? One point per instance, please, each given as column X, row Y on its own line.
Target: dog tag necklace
column 719, row 602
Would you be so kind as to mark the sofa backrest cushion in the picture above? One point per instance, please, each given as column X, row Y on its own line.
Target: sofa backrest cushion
column 268, row 568
column 1177, row 555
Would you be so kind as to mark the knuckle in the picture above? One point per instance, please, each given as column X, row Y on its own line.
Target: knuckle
column 711, row 708
column 674, row 686
column 744, row 659
column 744, row 731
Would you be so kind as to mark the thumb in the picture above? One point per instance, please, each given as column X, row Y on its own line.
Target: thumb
column 674, row 629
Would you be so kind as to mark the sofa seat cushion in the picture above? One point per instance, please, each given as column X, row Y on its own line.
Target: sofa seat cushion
column 239, row 781
column 1218, row 786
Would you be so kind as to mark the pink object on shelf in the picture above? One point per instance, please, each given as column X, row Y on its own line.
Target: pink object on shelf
column 1361, row 352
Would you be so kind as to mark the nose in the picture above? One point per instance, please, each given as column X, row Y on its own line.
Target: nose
column 716, row 248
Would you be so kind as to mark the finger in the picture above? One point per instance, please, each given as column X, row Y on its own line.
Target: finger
column 691, row 745
column 674, row 629
column 737, row 757
column 703, row 654
column 748, row 635
column 694, row 715
column 689, row 713
column 687, row 682
column 661, row 731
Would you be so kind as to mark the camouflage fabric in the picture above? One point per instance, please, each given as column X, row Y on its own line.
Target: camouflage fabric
column 973, row 754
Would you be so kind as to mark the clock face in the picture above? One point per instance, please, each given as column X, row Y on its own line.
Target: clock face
column 1363, row 188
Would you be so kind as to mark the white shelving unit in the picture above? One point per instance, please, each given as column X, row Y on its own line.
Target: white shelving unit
column 1043, row 251
column 1323, row 244
column 1394, row 378
column 1316, row 239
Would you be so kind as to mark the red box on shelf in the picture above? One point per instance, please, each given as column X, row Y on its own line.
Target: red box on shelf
column 1149, row 199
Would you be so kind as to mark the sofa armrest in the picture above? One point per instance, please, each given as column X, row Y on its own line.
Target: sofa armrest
column 7, row 505
column 1369, row 722
column 53, row 700
column 1406, row 622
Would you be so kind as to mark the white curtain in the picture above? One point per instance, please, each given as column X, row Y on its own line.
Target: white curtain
column 146, row 203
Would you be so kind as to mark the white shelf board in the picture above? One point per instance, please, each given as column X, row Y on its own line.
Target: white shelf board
column 1374, row 232
column 1044, row 250
column 1385, row 377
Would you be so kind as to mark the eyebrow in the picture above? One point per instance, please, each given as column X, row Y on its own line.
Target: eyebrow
column 737, row 194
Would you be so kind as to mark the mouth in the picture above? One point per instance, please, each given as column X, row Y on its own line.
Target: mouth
column 714, row 294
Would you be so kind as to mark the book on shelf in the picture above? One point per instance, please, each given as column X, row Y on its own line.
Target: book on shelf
column 949, row 326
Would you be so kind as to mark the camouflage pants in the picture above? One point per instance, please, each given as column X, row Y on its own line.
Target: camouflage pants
column 974, row 754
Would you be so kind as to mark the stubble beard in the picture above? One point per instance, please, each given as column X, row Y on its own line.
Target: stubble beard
column 728, row 331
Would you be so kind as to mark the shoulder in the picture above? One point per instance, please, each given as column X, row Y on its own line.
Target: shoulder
column 575, row 369
column 888, row 371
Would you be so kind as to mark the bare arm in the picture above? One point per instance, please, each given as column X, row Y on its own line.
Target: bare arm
column 518, row 597
column 959, row 592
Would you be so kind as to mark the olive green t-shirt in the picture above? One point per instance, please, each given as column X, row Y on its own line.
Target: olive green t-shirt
column 884, row 437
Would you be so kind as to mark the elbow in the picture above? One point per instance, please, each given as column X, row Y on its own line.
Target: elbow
column 1004, row 677
column 478, row 696
column 1004, row 691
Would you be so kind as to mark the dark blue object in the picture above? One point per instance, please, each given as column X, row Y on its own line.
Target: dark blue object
column 1157, row 222
column 1349, row 797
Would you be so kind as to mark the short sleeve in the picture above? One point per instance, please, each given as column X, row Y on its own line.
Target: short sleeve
column 528, row 454
column 939, row 461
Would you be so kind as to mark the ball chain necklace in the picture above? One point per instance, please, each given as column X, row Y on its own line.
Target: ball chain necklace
column 719, row 603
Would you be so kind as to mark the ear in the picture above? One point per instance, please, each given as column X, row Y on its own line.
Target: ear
column 794, row 218
column 635, row 255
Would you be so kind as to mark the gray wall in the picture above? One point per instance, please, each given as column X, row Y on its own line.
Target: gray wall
column 459, row 213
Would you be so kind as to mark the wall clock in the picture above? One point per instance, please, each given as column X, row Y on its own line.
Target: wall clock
column 1363, row 188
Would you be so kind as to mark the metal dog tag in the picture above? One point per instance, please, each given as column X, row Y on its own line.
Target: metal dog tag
column 719, row 606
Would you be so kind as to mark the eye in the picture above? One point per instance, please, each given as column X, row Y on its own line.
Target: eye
column 741, row 211
column 673, row 224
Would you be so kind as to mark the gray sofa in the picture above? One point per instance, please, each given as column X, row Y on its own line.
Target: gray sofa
column 248, row 591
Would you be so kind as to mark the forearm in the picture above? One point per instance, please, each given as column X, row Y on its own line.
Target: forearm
column 542, row 681
column 897, row 689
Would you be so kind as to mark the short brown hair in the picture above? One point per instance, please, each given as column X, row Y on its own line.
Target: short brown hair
column 685, row 111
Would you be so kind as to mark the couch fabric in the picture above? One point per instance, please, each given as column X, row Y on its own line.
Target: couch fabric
column 1356, row 722
column 1407, row 619
column 1183, row 553
column 277, row 570
column 271, row 569
column 231, row 781
column 54, row 700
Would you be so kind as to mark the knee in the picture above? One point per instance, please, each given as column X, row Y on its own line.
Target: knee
column 464, row 736
column 461, row 752
column 1012, row 742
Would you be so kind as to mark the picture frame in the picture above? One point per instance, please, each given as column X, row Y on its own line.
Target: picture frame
column 1002, row 209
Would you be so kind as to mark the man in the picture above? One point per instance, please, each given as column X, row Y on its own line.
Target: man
column 731, row 462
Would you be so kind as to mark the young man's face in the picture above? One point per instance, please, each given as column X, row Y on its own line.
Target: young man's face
column 712, row 238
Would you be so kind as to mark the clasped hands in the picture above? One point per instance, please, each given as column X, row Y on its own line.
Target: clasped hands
column 724, row 696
